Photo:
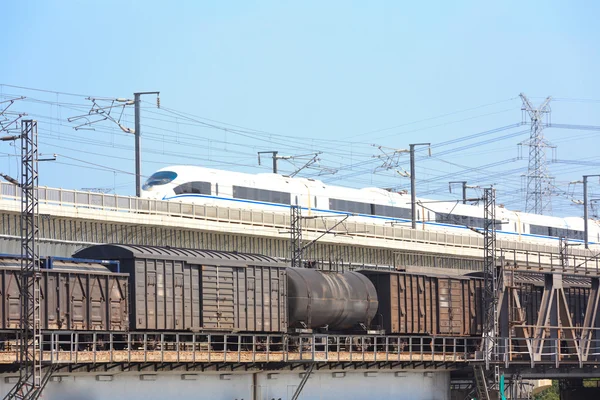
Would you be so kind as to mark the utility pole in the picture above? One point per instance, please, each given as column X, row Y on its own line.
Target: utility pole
column 585, row 209
column 464, row 188
column 138, row 139
column 538, row 197
column 413, row 190
column 275, row 158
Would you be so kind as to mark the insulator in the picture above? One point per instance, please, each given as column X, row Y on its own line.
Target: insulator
column 157, row 102
column 9, row 138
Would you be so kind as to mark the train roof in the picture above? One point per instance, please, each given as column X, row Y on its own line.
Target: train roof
column 194, row 256
column 61, row 264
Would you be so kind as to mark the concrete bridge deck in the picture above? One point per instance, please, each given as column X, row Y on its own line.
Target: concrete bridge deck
column 71, row 219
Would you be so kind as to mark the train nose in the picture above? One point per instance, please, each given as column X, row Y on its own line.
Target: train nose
column 150, row 193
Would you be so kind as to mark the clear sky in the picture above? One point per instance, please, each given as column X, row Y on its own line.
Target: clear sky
column 331, row 76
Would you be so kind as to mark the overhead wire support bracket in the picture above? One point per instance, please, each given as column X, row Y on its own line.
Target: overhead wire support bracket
column 391, row 159
column 99, row 113
column 307, row 165
column 315, row 159
column 5, row 122
column 464, row 189
column 297, row 249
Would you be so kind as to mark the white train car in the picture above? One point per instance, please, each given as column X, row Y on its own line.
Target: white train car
column 275, row 192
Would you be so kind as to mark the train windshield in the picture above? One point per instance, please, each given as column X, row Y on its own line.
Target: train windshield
column 160, row 178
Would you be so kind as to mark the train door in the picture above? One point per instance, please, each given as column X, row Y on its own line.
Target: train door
column 50, row 303
column 178, row 295
column 450, row 306
column 117, row 307
column 218, row 297
column 149, row 301
column 97, row 302
column 12, row 296
column 78, row 306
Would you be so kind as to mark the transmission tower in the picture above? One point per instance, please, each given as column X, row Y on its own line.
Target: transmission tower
column 539, row 190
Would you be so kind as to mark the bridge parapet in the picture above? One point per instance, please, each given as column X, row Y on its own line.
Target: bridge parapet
column 196, row 348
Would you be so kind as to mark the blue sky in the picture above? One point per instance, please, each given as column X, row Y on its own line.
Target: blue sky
column 333, row 75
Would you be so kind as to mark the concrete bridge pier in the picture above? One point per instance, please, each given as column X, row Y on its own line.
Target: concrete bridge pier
column 246, row 385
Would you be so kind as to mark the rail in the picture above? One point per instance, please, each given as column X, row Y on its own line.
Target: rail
column 280, row 220
column 97, row 348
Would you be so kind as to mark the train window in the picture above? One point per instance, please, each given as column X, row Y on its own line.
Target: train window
column 296, row 200
column 159, row 178
column 556, row 232
column 367, row 208
column 453, row 219
column 193, row 187
column 216, row 189
column 418, row 214
column 270, row 196
column 349, row 206
column 515, row 226
column 315, row 201
column 538, row 230
column 394, row 212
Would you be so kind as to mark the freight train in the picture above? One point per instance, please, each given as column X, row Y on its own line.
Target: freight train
column 191, row 184
column 128, row 288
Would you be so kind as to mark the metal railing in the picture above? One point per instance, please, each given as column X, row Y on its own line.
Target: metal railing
column 540, row 261
column 536, row 352
column 195, row 348
column 280, row 220
column 94, row 348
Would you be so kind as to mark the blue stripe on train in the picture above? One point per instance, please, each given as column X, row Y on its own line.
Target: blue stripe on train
column 264, row 203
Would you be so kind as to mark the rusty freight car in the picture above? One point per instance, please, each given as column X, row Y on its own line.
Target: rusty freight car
column 178, row 289
column 82, row 295
column 414, row 304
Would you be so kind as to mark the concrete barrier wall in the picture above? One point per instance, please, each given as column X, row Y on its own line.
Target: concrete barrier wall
column 322, row 385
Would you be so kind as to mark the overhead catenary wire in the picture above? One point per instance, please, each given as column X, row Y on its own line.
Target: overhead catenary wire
column 175, row 136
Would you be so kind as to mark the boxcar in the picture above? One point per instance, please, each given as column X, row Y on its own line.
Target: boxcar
column 415, row 304
column 198, row 290
column 75, row 295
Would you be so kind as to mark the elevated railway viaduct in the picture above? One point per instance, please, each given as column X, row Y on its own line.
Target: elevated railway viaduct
column 70, row 220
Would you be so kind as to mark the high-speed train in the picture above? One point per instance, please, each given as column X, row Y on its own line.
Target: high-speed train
column 267, row 191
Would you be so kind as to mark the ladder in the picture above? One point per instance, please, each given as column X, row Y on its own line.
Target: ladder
column 481, row 383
